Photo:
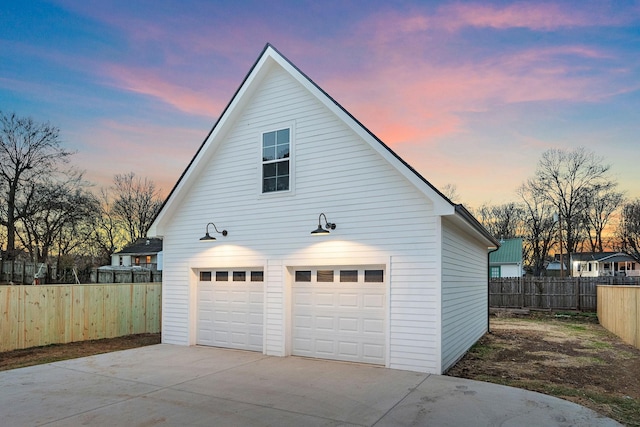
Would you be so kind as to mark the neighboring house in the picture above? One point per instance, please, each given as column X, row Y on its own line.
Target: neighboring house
column 328, row 244
column 143, row 253
column 507, row 260
column 597, row 264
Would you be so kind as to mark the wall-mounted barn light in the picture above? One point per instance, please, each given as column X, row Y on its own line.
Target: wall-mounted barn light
column 328, row 226
column 208, row 237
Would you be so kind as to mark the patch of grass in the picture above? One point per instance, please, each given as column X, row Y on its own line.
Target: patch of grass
column 598, row 345
column 577, row 328
column 580, row 315
column 482, row 351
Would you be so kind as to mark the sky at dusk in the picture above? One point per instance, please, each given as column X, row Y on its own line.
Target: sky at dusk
column 468, row 93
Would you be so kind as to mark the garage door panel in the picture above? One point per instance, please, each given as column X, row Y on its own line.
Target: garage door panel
column 373, row 351
column 372, row 326
column 373, row 301
column 303, row 345
column 348, row 324
column 348, row 349
column 324, row 299
column 325, row 347
column 348, row 300
column 324, row 323
column 303, row 298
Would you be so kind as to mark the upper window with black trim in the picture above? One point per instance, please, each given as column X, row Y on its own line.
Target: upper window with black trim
column 276, row 149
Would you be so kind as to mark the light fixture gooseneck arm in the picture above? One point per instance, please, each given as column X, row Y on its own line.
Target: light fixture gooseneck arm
column 223, row 232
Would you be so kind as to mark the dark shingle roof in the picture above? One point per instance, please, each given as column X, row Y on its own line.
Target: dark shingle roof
column 143, row 247
column 601, row 256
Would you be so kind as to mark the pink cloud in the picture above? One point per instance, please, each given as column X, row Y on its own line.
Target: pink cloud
column 146, row 82
column 423, row 101
column 533, row 15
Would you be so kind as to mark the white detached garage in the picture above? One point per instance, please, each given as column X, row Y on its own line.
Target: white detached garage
column 327, row 244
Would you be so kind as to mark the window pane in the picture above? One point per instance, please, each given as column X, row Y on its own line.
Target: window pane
column 348, row 275
column 222, row 276
column 205, row 276
column 269, row 170
column 325, row 275
column 268, row 139
column 283, row 151
column 239, row 276
column 269, row 185
column 268, row 153
column 282, row 168
column 376, row 276
column 257, row 276
column 283, row 183
column 283, row 136
column 303, row 276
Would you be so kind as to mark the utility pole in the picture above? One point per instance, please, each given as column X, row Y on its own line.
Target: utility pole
column 560, row 231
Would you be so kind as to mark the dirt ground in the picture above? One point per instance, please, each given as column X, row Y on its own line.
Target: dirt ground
column 55, row 352
column 566, row 355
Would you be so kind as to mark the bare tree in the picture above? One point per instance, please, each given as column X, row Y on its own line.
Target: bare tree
column 601, row 206
column 136, row 203
column 539, row 227
column 52, row 215
column 502, row 221
column 29, row 151
column 629, row 228
column 569, row 180
column 451, row 192
column 109, row 231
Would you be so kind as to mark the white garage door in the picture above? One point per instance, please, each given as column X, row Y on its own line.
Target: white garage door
column 230, row 309
column 339, row 314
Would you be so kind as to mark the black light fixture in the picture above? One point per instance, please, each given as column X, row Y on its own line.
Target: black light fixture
column 328, row 226
column 207, row 237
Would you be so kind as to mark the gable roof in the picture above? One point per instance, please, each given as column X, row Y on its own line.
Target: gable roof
column 510, row 252
column 142, row 247
column 601, row 256
column 270, row 57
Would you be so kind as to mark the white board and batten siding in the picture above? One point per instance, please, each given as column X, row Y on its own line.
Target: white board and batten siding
column 464, row 292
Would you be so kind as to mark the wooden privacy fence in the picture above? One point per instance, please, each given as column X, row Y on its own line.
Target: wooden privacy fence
column 33, row 316
column 125, row 276
column 619, row 311
column 20, row 272
column 548, row 293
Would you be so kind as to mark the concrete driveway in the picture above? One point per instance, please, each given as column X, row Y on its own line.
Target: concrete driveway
column 198, row 386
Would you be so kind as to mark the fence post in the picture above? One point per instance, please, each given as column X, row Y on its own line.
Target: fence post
column 578, row 293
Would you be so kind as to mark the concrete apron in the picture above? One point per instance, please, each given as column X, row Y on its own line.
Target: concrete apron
column 200, row 386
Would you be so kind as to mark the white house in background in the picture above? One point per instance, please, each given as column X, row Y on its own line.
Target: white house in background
column 396, row 274
column 598, row 264
column 143, row 253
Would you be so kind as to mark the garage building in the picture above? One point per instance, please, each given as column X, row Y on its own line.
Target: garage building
column 327, row 244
